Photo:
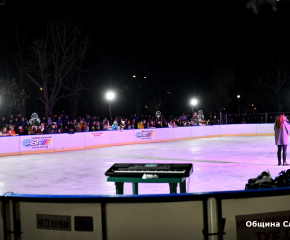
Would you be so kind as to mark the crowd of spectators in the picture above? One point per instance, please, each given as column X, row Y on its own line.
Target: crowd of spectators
column 236, row 119
column 62, row 123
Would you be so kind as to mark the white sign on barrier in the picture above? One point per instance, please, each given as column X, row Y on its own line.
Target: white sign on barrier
column 97, row 134
column 36, row 142
column 144, row 134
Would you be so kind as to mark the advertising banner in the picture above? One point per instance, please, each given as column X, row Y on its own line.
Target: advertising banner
column 96, row 139
column 36, row 142
column 144, row 135
column 97, row 134
column 272, row 225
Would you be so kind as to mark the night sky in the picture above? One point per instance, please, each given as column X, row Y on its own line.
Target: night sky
column 187, row 39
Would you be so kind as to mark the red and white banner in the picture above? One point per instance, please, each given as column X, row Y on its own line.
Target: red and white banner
column 97, row 134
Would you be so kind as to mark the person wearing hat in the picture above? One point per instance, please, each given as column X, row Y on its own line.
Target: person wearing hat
column 53, row 128
column 115, row 126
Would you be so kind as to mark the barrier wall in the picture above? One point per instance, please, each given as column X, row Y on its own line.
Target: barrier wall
column 9, row 146
column 215, row 215
column 28, row 144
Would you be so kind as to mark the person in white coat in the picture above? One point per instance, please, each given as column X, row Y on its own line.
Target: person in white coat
column 281, row 128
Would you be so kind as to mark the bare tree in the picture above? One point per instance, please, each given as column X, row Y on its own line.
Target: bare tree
column 15, row 43
column 77, row 82
column 274, row 77
column 156, row 102
column 54, row 58
column 223, row 79
column 11, row 95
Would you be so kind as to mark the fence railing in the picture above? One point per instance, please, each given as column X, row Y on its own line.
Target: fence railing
column 267, row 117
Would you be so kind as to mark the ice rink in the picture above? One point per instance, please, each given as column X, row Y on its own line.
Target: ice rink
column 220, row 164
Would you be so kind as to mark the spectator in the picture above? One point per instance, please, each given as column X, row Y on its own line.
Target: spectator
column 115, row 126
column 165, row 124
column 77, row 128
column 71, row 131
column 140, row 125
column 135, row 117
column 43, row 120
column 214, row 121
column 88, row 118
column 65, row 129
column 98, row 126
column 17, row 123
column 133, row 125
column 107, row 126
column 174, row 124
column 39, row 130
column 23, row 122
column 183, row 117
column 93, row 126
column 60, row 129
column 70, row 124
column 66, row 120
column 86, row 127
column 5, row 132
column 58, row 122
column 128, row 125
column 159, row 124
column 3, row 122
column 25, row 130
column 12, row 132
column 11, row 119
column 49, row 121
column 53, row 129
column 105, row 121
column 46, row 129
column 81, row 125
column 31, row 130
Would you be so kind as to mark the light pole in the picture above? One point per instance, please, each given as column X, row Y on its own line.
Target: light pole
column 193, row 102
column 110, row 96
column 238, row 97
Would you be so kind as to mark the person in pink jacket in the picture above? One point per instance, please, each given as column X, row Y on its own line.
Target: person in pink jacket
column 281, row 128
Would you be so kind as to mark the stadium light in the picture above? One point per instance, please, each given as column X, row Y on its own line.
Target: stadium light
column 193, row 102
column 110, row 96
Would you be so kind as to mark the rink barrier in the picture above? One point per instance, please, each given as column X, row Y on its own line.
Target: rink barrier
column 46, row 143
column 212, row 215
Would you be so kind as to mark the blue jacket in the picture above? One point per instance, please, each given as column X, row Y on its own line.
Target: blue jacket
column 115, row 127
